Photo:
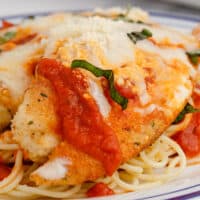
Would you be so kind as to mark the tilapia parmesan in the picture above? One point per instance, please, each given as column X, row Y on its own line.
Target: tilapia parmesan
column 84, row 93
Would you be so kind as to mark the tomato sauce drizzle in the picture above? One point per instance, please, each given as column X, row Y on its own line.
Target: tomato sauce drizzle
column 99, row 189
column 4, row 171
column 81, row 123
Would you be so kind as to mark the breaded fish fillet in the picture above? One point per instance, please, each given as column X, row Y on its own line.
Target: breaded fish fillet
column 34, row 125
column 153, row 73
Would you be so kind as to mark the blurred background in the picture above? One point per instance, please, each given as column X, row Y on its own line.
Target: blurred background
column 182, row 7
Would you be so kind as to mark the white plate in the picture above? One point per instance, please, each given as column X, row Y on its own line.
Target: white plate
column 186, row 186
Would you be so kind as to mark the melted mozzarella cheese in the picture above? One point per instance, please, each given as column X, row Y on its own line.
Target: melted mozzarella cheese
column 55, row 169
column 133, row 13
column 150, row 108
column 161, row 34
column 97, row 93
column 104, row 43
column 13, row 74
column 147, row 110
column 168, row 54
column 181, row 93
column 43, row 24
column 100, row 41
column 135, row 74
column 143, row 94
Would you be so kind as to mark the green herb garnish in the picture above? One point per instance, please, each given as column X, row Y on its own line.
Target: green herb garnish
column 6, row 37
column 194, row 56
column 152, row 124
column 187, row 109
column 125, row 18
column 108, row 74
column 137, row 143
column 30, row 122
column 136, row 36
column 43, row 95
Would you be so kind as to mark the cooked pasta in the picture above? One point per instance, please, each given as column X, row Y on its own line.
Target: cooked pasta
column 137, row 174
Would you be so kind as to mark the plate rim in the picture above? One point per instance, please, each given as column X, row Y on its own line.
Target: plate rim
column 155, row 13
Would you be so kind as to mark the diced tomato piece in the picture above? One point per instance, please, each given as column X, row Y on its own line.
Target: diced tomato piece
column 99, row 189
column 126, row 92
column 6, row 24
column 189, row 139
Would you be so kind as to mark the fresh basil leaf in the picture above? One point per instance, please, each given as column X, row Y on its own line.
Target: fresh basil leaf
column 187, row 109
column 124, row 18
column 30, row 122
column 194, row 56
column 7, row 36
column 136, row 36
column 108, row 74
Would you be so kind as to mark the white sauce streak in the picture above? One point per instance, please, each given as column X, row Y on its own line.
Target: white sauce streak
column 97, row 93
column 55, row 169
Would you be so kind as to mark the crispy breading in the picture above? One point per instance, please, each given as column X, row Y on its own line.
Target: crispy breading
column 5, row 117
column 34, row 124
column 82, row 167
column 7, row 156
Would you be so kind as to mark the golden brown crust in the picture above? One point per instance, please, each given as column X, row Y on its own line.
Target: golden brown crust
column 34, row 125
column 82, row 167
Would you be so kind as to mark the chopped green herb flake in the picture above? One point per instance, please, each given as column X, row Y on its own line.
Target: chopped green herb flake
column 43, row 95
column 146, row 33
column 136, row 36
column 31, row 17
column 152, row 124
column 9, row 35
column 137, row 143
column 108, row 74
column 194, row 56
column 2, row 40
column 6, row 37
column 30, row 122
column 124, row 18
column 187, row 109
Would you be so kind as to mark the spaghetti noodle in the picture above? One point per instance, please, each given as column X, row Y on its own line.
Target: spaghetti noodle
column 137, row 174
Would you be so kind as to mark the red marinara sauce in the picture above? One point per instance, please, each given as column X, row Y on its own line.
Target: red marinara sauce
column 4, row 171
column 81, row 122
column 99, row 189
column 189, row 139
